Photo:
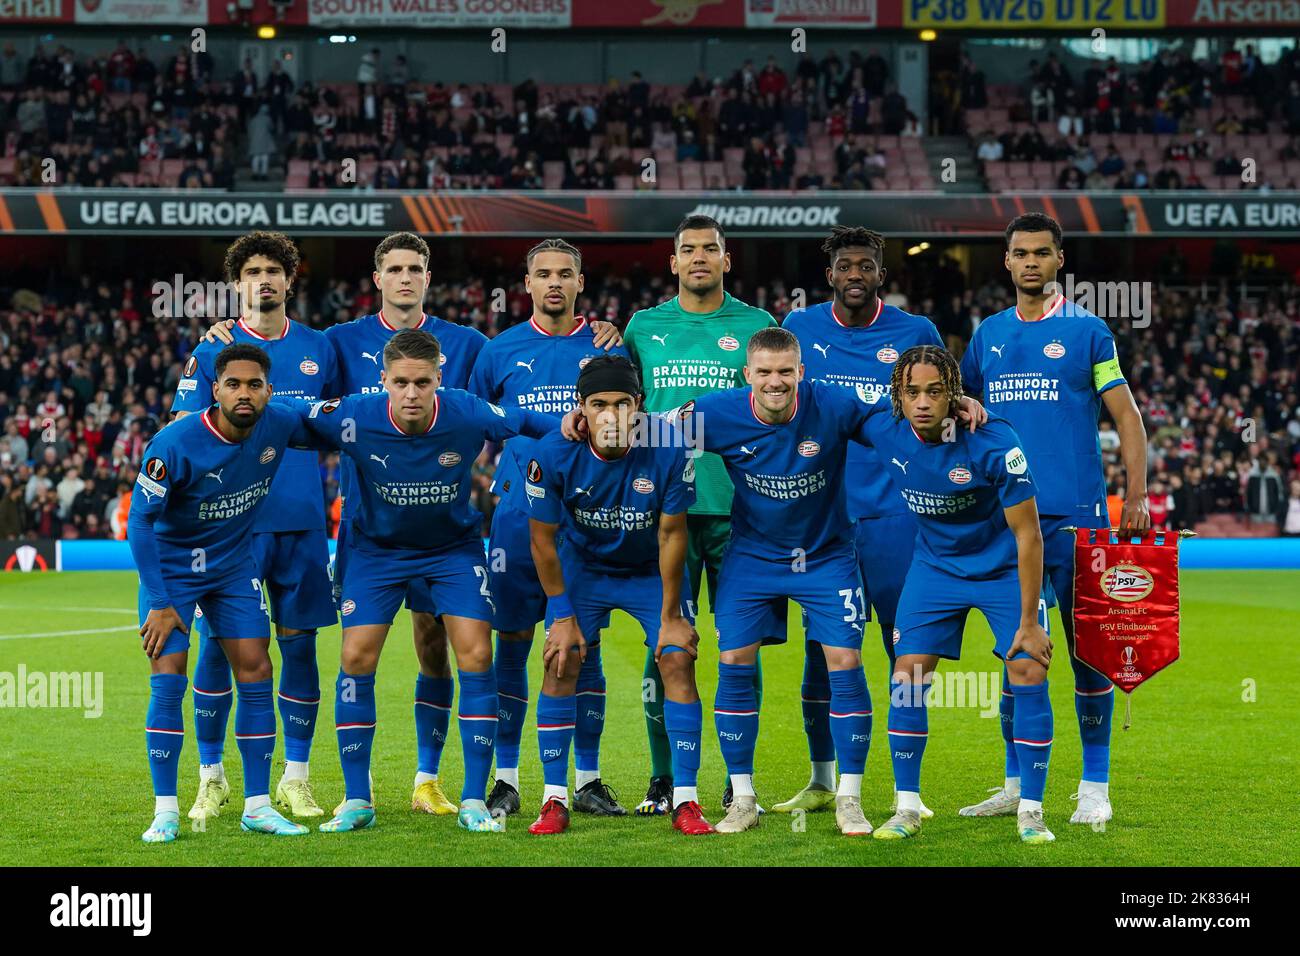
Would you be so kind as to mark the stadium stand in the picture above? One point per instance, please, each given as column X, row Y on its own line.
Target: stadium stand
column 121, row 120
column 1170, row 123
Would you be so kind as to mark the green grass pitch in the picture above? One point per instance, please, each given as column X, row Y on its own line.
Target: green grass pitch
column 1206, row 775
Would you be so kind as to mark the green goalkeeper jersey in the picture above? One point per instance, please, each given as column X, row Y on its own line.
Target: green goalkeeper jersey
column 683, row 355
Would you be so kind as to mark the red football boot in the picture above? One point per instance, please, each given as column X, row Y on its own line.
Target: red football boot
column 689, row 819
column 554, row 818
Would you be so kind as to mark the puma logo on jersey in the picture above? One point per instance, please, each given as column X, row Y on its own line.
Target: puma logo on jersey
column 582, row 491
column 661, row 339
column 997, row 348
column 215, row 474
column 748, row 452
column 901, row 464
column 383, row 461
column 374, row 357
column 824, row 349
column 528, row 365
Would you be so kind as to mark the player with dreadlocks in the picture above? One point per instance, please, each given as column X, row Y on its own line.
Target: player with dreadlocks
column 855, row 340
column 979, row 546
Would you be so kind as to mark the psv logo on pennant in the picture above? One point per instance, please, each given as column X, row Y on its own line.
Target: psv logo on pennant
column 1127, row 583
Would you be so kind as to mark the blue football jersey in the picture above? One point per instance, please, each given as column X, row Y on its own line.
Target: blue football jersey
column 956, row 490
column 1046, row 378
column 359, row 348
column 846, row 355
column 302, row 370
column 202, row 493
column 413, row 491
column 527, row 367
column 609, row 508
column 789, row 478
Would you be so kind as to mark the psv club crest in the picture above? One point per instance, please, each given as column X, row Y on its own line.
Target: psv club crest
column 1127, row 583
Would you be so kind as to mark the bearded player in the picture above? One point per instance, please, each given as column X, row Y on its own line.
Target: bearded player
column 290, row 550
column 689, row 346
column 401, row 274
column 1048, row 366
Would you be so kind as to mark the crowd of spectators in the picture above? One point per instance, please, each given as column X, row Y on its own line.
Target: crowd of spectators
column 122, row 120
column 111, row 119
column 87, row 374
column 1204, row 112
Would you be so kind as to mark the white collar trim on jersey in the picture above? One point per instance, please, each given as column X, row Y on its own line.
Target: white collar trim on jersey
column 213, row 428
column 392, row 328
column 432, row 421
column 258, row 335
column 1047, row 313
column 880, row 305
column 753, row 411
column 582, row 321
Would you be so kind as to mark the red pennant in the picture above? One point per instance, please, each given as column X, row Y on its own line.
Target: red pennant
column 1126, row 604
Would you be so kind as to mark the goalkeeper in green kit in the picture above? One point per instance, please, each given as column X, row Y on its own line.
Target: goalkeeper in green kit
column 686, row 347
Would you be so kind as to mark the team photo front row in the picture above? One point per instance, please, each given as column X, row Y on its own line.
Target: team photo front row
column 593, row 520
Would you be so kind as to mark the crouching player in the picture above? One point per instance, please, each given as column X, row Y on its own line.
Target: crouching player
column 198, row 494
column 413, row 447
column 978, row 546
column 621, row 496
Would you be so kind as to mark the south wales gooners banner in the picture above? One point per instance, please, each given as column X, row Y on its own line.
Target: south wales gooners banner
column 634, row 214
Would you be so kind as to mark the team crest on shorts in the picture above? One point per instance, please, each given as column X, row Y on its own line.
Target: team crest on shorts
column 156, row 469
column 959, row 475
column 887, row 355
column 308, row 367
column 267, row 456
column 1053, row 350
column 898, row 636
column 644, row 485
column 728, row 343
column 582, row 363
column 809, row 448
column 348, row 607
column 449, row 458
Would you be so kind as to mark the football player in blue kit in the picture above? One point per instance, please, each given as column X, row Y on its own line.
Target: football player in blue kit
column 290, row 549
column 533, row 365
column 198, row 495
column 620, row 497
column 1047, row 366
column 783, row 441
column 854, row 340
column 978, row 546
column 414, row 448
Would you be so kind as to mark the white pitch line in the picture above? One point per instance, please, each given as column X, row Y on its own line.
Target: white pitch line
column 95, row 630
column 37, row 607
